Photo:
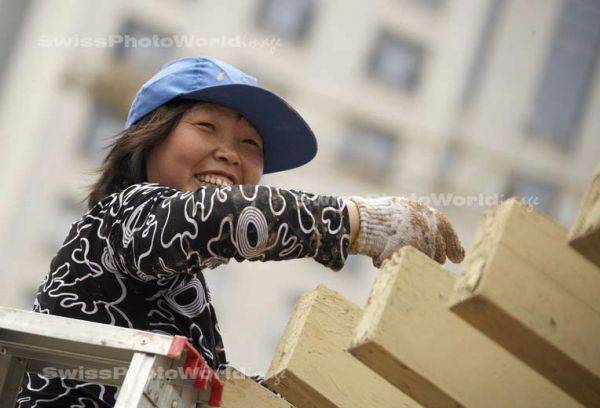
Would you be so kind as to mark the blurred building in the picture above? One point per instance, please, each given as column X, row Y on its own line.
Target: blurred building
column 460, row 102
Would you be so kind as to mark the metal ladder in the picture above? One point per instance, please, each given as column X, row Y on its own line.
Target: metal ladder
column 152, row 370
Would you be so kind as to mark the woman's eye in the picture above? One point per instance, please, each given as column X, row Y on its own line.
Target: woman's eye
column 207, row 125
column 251, row 141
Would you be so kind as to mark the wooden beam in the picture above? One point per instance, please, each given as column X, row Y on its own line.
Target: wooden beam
column 241, row 391
column 584, row 236
column 526, row 289
column 543, row 244
column 408, row 335
column 312, row 367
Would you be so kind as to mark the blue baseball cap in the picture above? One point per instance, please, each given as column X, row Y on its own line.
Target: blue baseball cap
column 287, row 139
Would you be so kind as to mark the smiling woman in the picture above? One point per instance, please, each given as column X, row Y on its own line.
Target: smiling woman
column 178, row 193
column 212, row 141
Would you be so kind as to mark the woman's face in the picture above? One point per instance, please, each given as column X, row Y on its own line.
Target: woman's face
column 211, row 143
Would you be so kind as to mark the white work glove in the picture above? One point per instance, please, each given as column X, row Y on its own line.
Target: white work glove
column 389, row 223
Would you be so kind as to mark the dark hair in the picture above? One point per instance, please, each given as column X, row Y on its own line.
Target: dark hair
column 125, row 163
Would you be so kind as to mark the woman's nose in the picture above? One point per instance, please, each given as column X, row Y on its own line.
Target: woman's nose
column 228, row 153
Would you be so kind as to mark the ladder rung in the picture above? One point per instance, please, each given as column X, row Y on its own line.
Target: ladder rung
column 79, row 336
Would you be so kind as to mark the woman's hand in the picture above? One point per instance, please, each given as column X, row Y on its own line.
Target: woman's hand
column 389, row 223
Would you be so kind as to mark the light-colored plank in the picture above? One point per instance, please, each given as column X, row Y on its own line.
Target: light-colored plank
column 241, row 391
column 584, row 235
column 519, row 287
column 409, row 336
column 543, row 243
column 312, row 367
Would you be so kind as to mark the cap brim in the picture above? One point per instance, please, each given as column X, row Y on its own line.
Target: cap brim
column 288, row 140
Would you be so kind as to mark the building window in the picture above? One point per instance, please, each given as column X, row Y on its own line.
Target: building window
column 536, row 193
column 449, row 161
column 139, row 49
column 104, row 123
column 567, row 74
column 367, row 152
column 13, row 14
column 397, row 61
column 435, row 4
column 291, row 19
column 482, row 50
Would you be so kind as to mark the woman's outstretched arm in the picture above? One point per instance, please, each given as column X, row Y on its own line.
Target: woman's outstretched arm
column 156, row 230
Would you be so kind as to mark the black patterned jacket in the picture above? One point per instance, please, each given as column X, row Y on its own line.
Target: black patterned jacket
column 136, row 258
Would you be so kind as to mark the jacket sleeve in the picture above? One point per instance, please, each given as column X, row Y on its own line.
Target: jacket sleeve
column 156, row 231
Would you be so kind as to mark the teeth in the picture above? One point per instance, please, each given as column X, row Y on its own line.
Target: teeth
column 213, row 180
